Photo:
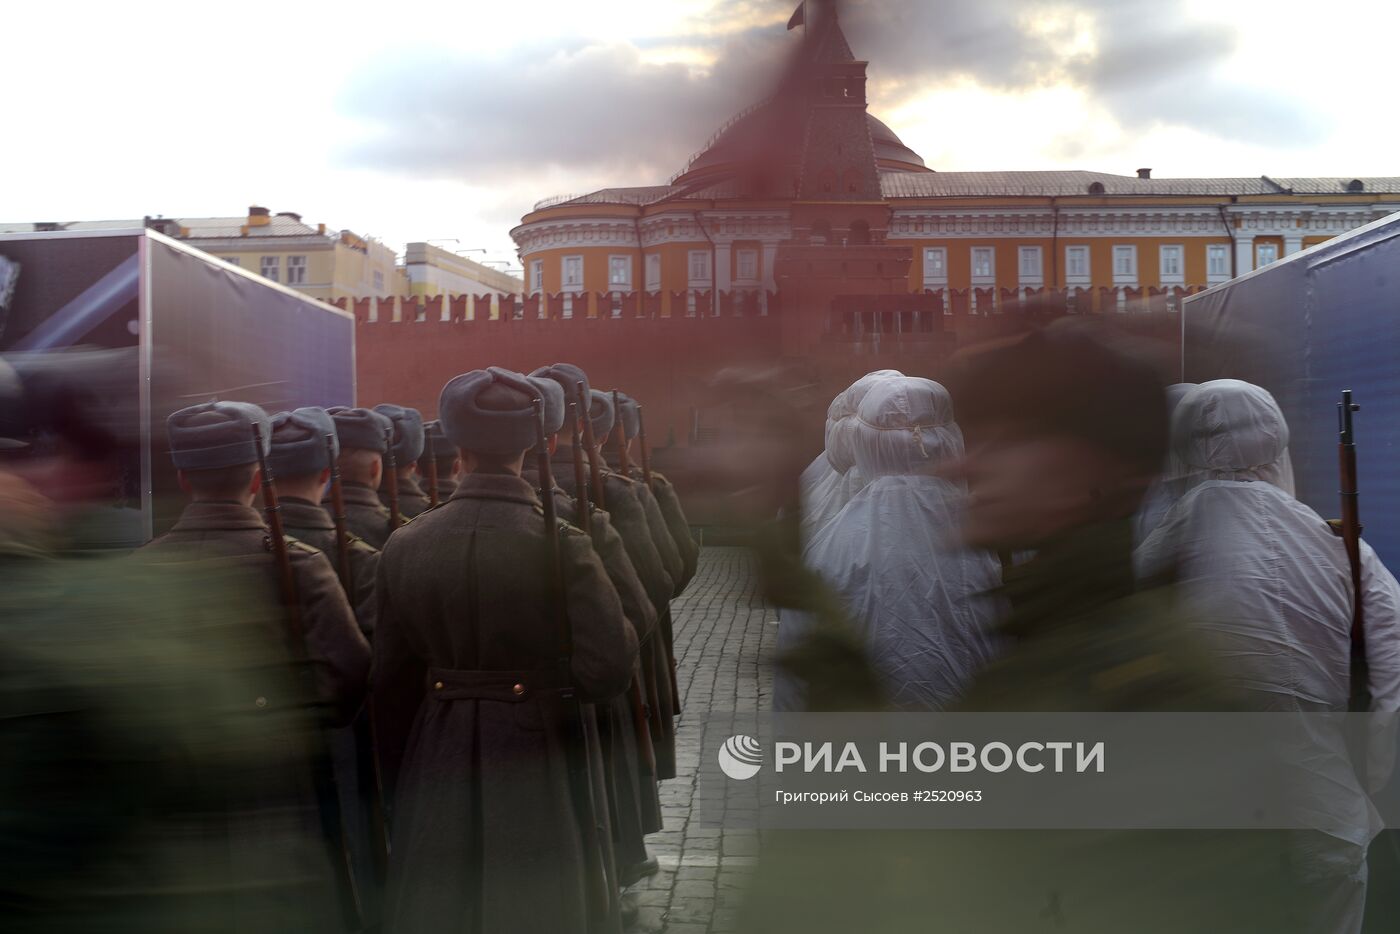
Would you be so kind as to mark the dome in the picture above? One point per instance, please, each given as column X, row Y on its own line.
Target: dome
column 769, row 127
column 889, row 148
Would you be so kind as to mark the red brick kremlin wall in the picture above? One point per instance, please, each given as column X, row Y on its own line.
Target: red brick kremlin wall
column 406, row 351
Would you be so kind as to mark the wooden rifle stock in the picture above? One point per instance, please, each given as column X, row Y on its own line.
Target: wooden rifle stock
column 327, row 799
column 432, row 474
column 585, row 409
column 1351, row 538
column 640, row 712
column 391, row 467
column 624, row 463
column 577, row 751
column 342, row 538
column 642, row 446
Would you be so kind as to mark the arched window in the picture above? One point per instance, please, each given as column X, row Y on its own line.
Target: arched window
column 821, row 232
column 1356, row 184
column 852, row 180
column 1096, row 188
column 827, row 180
column 860, row 232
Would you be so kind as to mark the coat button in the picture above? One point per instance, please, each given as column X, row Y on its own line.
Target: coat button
column 518, row 688
column 437, row 685
column 260, row 702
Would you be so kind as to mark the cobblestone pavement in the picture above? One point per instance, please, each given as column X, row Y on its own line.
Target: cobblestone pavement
column 724, row 635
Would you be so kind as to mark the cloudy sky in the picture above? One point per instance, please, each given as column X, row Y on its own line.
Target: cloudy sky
column 427, row 119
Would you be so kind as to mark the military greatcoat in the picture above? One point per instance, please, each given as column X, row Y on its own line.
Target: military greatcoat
column 476, row 742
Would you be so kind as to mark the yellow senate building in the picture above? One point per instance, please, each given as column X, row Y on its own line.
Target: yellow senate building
column 768, row 176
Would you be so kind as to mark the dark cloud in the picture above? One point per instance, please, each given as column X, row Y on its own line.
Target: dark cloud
column 1150, row 64
column 598, row 111
column 602, row 114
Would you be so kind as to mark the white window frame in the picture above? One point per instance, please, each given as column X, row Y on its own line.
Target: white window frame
column 1073, row 277
column 1220, row 251
column 232, row 260
column 1179, row 252
column 653, row 272
column 536, row 276
column 702, row 257
column 566, row 284
column 619, row 273
column 1125, row 273
column 296, row 270
column 1259, row 250
column 990, row 255
column 1032, row 272
column 272, row 263
column 749, row 258
column 935, row 265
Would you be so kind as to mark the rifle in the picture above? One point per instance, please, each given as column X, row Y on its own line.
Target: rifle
column 391, row 467
column 624, row 464
column 1351, row 537
column 576, row 749
column 641, row 714
column 342, row 538
column 642, row 444
column 585, row 409
column 327, row 800
column 432, row 474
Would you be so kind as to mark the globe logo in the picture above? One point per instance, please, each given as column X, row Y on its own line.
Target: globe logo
column 741, row 757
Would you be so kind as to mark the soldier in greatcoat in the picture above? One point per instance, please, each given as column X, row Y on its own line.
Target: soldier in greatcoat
column 664, row 491
column 635, row 805
column 408, row 447
column 628, row 516
column 303, row 451
column 213, row 448
column 362, row 434
column 482, row 658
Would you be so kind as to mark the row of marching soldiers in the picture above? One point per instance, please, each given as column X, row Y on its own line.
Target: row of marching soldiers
column 510, row 623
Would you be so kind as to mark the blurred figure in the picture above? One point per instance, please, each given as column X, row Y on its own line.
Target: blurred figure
column 1167, row 488
column 1268, row 583
column 436, row 448
column 829, row 496
column 154, row 775
column 408, row 448
column 820, row 468
column 362, row 435
column 1064, row 434
column 475, row 685
column 893, row 553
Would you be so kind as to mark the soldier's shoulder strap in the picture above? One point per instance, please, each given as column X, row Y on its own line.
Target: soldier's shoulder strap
column 565, row 527
column 295, row 547
column 359, row 544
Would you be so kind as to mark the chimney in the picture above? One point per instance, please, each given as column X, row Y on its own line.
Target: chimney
column 1144, row 173
column 321, row 229
column 258, row 217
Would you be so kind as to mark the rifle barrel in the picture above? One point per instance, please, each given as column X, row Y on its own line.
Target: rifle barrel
column 342, row 538
column 391, row 467
column 581, row 507
column 642, row 445
column 1351, row 539
column 585, row 408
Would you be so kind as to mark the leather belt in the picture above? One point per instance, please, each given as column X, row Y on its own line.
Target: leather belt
column 510, row 686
